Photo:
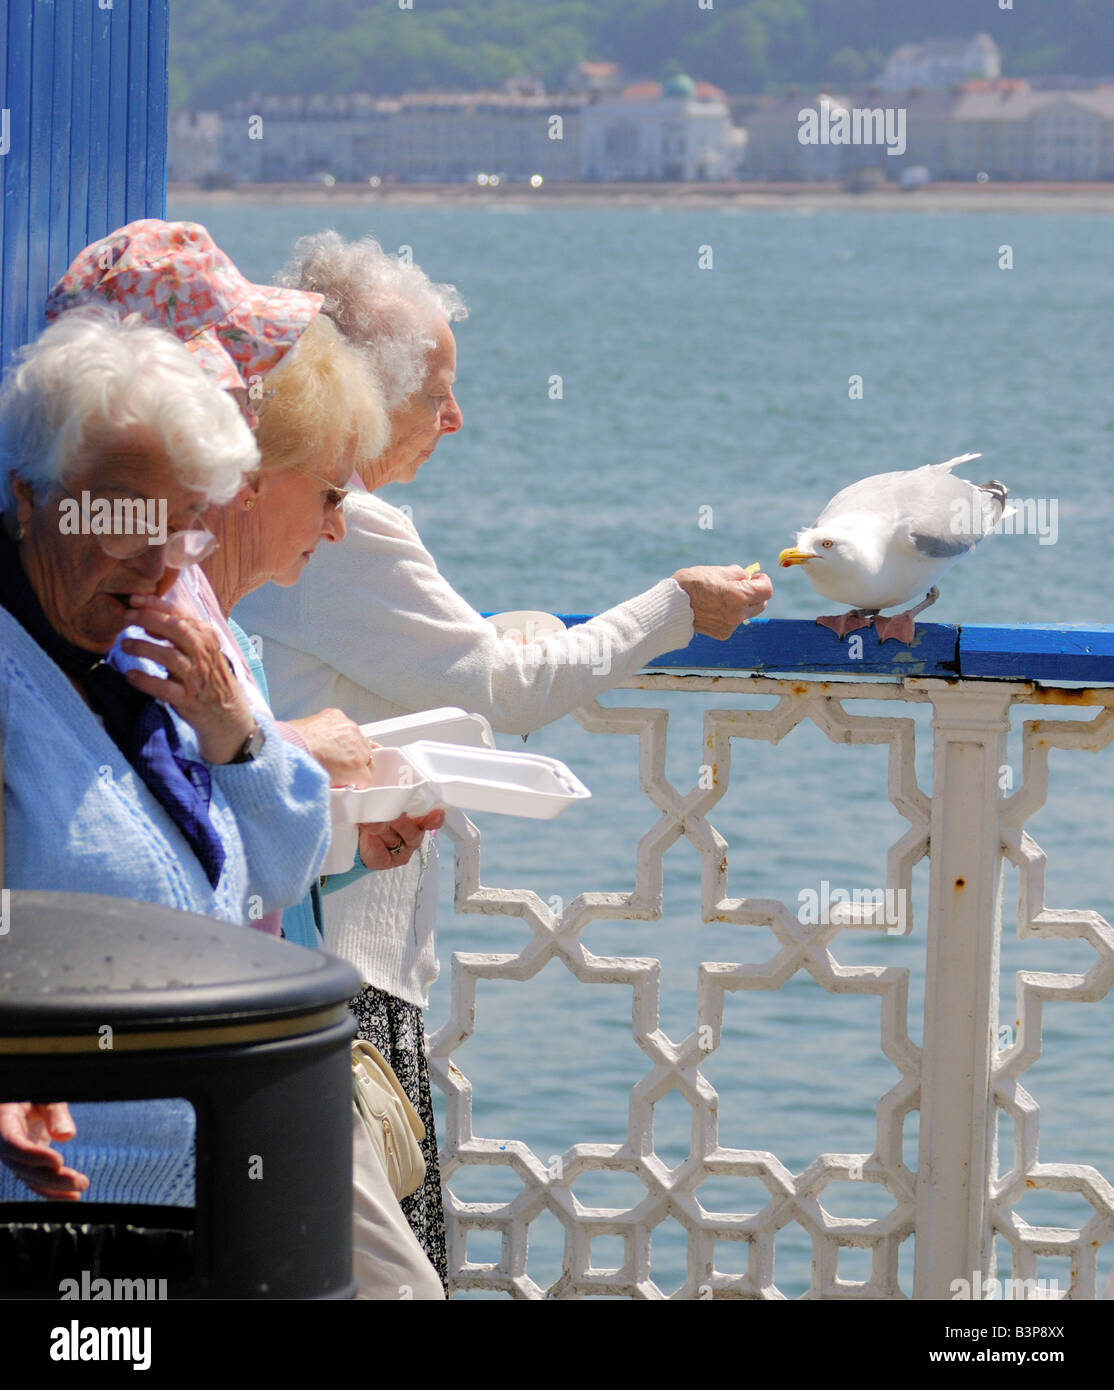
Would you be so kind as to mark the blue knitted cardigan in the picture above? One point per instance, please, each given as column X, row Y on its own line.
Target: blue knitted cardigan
column 79, row 819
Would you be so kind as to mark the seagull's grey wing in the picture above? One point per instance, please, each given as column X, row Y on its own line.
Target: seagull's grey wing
column 949, row 516
column 895, row 494
column 877, row 494
column 939, row 545
column 941, row 516
column 955, row 462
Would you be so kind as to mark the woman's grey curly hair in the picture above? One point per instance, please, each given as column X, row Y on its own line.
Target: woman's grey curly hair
column 386, row 305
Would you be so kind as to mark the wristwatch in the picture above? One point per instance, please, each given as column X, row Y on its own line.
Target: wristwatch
column 251, row 746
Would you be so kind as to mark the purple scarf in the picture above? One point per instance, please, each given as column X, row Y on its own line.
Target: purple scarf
column 140, row 726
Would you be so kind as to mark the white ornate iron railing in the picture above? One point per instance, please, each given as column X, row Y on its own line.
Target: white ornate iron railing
column 965, row 1073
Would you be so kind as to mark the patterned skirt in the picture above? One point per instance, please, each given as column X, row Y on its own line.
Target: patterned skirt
column 397, row 1029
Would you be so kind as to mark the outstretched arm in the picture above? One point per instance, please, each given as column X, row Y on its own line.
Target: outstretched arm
column 377, row 610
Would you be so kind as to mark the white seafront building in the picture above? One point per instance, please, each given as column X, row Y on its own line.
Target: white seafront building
column 1009, row 128
column 941, row 63
column 680, row 130
column 957, row 117
column 434, row 137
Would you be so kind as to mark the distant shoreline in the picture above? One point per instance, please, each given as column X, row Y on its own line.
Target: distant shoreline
column 804, row 197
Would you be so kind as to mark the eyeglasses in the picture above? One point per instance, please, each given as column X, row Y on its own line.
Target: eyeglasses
column 334, row 495
column 126, row 535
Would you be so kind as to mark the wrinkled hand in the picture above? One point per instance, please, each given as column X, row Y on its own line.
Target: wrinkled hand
column 377, row 839
column 722, row 597
column 25, row 1134
column 337, row 744
column 200, row 684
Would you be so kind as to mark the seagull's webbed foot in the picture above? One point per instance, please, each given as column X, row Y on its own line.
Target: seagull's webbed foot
column 901, row 626
column 843, row 623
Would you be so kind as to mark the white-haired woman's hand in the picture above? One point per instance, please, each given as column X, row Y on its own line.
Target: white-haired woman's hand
column 337, row 744
column 200, row 684
column 723, row 596
column 389, row 844
column 26, row 1132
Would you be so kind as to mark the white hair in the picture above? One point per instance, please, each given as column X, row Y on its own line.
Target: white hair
column 388, row 306
column 92, row 375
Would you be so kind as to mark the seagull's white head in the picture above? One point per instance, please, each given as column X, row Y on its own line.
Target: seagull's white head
column 834, row 558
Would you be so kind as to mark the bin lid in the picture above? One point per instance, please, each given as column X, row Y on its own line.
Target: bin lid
column 74, row 961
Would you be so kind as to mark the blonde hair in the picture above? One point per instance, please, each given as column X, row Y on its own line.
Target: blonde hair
column 322, row 396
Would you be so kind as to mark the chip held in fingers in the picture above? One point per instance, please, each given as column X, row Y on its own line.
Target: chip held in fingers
column 750, row 571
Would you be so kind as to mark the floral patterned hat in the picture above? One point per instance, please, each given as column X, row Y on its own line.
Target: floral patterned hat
column 174, row 275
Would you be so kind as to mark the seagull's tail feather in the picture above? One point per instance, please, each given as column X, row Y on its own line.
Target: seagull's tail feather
column 955, row 462
column 994, row 501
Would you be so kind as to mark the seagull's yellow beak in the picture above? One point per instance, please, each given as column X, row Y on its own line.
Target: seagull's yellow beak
column 795, row 557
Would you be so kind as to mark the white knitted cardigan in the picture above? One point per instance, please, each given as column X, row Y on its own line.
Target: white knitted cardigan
column 374, row 629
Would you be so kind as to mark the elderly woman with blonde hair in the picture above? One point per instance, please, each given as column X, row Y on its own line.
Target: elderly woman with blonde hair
column 403, row 640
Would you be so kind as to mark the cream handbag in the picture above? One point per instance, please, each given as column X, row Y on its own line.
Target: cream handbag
column 391, row 1121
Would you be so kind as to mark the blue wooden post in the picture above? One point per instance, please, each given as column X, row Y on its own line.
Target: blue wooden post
column 83, row 139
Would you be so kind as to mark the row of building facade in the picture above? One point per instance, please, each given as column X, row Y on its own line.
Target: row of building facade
column 678, row 131
column 1006, row 128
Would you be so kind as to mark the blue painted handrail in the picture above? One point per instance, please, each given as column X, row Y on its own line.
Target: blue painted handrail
column 1029, row 651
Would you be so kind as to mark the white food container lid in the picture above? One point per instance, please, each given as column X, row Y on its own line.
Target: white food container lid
column 425, row 774
column 447, row 725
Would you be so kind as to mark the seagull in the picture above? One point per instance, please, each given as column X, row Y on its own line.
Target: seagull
column 890, row 536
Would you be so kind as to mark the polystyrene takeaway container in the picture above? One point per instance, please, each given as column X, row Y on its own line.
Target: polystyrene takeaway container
column 489, row 779
column 396, row 789
column 425, row 774
column 447, row 725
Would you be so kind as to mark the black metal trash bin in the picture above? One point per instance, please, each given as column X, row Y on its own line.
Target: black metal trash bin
column 253, row 1032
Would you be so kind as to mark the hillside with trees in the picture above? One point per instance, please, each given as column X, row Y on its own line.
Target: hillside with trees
column 222, row 52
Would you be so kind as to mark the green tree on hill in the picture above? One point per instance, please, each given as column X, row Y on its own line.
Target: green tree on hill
column 222, row 52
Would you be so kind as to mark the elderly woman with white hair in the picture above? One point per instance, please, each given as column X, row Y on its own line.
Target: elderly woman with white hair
column 403, row 640
column 173, row 789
